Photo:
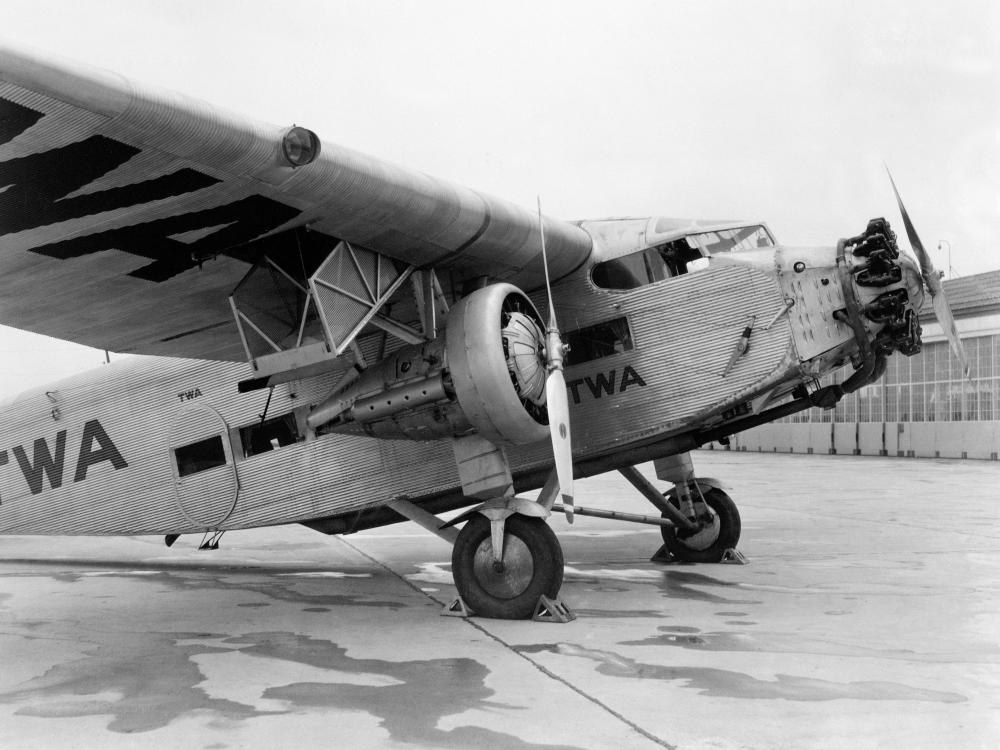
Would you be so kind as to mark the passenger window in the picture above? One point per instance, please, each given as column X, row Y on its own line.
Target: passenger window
column 201, row 456
column 600, row 340
column 265, row 436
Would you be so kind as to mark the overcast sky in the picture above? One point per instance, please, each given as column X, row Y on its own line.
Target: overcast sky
column 781, row 111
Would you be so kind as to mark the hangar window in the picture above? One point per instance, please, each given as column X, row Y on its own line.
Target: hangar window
column 201, row 456
column 600, row 340
column 265, row 436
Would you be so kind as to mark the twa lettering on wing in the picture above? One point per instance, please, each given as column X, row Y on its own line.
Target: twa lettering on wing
column 44, row 189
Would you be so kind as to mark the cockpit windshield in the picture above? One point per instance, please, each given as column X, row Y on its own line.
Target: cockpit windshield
column 677, row 257
column 731, row 240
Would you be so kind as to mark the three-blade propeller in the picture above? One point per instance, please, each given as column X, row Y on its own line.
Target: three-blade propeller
column 556, row 401
column 932, row 280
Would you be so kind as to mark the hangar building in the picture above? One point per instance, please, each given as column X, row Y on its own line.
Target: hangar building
column 922, row 406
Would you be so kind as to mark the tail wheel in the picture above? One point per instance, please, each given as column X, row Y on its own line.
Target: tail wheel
column 720, row 528
column 532, row 566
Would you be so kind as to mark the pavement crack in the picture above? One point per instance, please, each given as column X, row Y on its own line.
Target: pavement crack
column 539, row 667
column 566, row 683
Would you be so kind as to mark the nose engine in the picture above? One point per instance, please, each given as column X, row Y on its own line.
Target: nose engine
column 886, row 291
column 859, row 309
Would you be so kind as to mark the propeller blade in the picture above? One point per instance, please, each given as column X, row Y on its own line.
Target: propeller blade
column 556, row 401
column 557, row 404
column 932, row 279
column 947, row 321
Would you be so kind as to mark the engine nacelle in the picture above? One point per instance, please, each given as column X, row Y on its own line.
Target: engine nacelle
column 486, row 375
column 495, row 353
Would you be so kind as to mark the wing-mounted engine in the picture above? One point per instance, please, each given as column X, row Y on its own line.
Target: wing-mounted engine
column 486, row 375
column 495, row 348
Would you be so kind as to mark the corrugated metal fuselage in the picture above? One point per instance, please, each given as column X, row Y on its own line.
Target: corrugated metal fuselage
column 95, row 454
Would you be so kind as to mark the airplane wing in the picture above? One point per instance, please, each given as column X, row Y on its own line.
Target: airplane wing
column 128, row 215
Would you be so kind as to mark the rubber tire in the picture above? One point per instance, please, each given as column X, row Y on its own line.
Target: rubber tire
column 729, row 528
column 547, row 562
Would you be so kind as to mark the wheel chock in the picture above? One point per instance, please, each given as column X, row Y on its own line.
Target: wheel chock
column 733, row 557
column 552, row 610
column 729, row 557
column 456, row 608
column 662, row 556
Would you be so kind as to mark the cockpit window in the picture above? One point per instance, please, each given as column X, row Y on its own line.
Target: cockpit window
column 648, row 266
column 731, row 240
column 676, row 258
column 630, row 271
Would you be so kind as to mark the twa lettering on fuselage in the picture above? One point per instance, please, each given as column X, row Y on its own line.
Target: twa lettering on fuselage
column 95, row 447
column 189, row 395
column 605, row 385
column 33, row 190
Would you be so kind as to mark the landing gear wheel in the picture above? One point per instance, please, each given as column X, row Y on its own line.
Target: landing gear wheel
column 532, row 565
column 720, row 528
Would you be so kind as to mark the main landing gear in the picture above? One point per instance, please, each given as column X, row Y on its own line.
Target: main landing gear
column 507, row 562
column 699, row 521
column 510, row 585
column 718, row 522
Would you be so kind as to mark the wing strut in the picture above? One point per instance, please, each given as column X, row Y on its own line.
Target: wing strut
column 306, row 323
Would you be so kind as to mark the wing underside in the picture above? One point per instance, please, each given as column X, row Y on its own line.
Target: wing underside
column 129, row 215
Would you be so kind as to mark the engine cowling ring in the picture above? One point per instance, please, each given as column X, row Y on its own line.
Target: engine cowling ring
column 502, row 410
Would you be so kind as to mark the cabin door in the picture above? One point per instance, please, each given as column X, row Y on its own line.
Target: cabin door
column 205, row 478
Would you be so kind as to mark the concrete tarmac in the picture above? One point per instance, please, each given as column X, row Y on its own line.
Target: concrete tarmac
column 868, row 617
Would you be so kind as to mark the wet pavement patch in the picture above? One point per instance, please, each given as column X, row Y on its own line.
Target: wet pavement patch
column 776, row 643
column 724, row 683
column 241, row 581
column 681, row 584
column 145, row 680
column 702, row 642
column 408, row 710
column 152, row 678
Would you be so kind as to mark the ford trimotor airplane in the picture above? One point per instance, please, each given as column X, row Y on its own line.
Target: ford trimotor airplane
column 344, row 343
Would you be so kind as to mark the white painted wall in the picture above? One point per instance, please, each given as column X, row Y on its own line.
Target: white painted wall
column 915, row 439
